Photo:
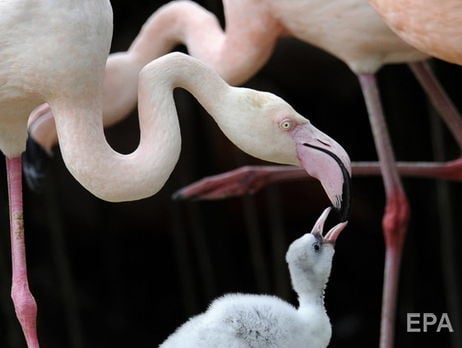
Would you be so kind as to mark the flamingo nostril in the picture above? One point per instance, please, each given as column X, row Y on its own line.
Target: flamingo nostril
column 324, row 143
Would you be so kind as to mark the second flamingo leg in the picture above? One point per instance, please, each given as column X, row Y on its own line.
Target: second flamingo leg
column 396, row 215
column 24, row 302
column 439, row 99
column 250, row 179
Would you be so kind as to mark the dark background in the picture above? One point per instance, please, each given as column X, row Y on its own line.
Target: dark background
column 127, row 274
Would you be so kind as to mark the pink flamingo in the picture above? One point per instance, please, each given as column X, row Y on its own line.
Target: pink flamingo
column 245, row 45
column 69, row 77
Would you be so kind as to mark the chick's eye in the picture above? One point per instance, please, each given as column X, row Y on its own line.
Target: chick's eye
column 286, row 125
column 316, row 247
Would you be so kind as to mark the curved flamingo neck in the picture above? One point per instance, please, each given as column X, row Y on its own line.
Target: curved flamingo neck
column 116, row 177
column 236, row 53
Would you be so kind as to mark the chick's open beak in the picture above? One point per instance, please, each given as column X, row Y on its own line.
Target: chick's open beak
column 332, row 235
column 323, row 158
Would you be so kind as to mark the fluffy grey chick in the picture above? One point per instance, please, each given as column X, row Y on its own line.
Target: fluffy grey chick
column 263, row 321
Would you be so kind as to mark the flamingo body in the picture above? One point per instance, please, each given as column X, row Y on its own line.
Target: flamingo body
column 434, row 27
column 30, row 70
column 246, row 320
column 348, row 29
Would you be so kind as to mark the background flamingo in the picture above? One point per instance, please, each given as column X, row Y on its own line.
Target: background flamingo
column 344, row 103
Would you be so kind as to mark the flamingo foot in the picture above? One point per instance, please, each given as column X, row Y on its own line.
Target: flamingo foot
column 26, row 311
column 24, row 303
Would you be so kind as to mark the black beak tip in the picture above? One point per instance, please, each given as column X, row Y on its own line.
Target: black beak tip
column 343, row 211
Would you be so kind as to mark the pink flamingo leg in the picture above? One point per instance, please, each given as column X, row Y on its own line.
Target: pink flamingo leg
column 240, row 181
column 250, row 179
column 24, row 302
column 439, row 99
column 396, row 214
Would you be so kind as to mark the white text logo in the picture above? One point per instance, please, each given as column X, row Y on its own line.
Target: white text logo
column 425, row 322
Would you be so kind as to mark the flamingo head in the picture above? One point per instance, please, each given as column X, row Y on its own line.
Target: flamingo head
column 310, row 256
column 266, row 127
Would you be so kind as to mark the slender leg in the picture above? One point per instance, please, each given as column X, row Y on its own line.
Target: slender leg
column 250, row 179
column 24, row 302
column 439, row 99
column 449, row 255
column 396, row 215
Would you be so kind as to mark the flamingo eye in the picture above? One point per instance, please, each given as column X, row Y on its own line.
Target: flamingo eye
column 286, row 125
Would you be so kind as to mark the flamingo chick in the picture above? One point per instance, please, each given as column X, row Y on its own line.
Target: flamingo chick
column 263, row 321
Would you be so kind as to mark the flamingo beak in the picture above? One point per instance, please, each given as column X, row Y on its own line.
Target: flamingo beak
column 323, row 158
column 332, row 235
column 318, row 227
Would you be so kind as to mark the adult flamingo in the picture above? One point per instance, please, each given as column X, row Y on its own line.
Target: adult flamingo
column 65, row 69
column 246, row 44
